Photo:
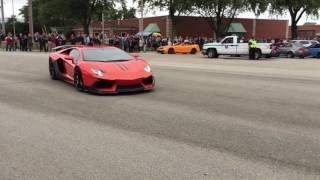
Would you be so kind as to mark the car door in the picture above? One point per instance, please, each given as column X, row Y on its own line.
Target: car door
column 228, row 46
column 178, row 48
column 315, row 51
column 70, row 64
column 187, row 47
column 284, row 49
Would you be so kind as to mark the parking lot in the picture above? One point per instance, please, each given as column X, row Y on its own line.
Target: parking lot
column 226, row 118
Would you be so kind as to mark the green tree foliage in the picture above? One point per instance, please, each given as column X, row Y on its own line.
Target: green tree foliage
column 66, row 13
column 258, row 6
column 220, row 13
column 296, row 9
column 21, row 27
column 111, row 12
column 174, row 7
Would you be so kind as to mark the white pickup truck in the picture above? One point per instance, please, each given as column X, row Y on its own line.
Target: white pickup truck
column 231, row 45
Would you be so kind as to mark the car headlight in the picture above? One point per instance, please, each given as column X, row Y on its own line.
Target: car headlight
column 147, row 69
column 98, row 72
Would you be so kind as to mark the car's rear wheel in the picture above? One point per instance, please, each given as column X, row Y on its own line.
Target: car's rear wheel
column 290, row 55
column 52, row 71
column 78, row 81
column 193, row 51
column 171, row 51
column 318, row 55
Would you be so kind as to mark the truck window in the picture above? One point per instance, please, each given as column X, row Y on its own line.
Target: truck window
column 228, row 41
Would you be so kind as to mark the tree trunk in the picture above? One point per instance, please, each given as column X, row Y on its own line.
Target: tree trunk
column 294, row 30
column 173, row 19
column 86, row 28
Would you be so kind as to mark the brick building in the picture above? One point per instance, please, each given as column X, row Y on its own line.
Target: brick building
column 307, row 31
column 194, row 26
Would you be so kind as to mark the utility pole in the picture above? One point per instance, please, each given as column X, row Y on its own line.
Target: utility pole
column 102, row 24
column 30, row 17
column 13, row 20
column 2, row 19
column 141, row 25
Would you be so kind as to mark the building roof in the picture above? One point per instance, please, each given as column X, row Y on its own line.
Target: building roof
column 236, row 28
column 152, row 28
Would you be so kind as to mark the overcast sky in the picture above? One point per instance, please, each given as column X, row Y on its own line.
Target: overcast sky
column 19, row 3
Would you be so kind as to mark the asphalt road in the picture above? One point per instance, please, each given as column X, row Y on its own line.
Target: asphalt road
column 207, row 119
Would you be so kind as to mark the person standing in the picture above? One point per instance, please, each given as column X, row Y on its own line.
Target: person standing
column 252, row 48
column 9, row 42
column 41, row 42
column 30, row 42
column 25, row 43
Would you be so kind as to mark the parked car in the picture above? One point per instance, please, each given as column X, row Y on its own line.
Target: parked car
column 315, row 51
column 231, row 45
column 179, row 48
column 291, row 50
column 305, row 43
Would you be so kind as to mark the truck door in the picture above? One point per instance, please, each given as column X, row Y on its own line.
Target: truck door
column 229, row 46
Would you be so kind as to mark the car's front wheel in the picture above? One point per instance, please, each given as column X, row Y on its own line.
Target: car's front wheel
column 52, row 71
column 171, row 51
column 78, row 81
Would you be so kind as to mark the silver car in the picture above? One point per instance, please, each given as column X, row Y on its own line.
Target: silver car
column 305, row 43
column 292, row 50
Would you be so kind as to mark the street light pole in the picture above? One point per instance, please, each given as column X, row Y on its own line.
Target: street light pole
column 2, row 19
column 30, row 17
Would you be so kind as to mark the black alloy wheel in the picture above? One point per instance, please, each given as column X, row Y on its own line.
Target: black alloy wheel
column 52, row 71
column 78, row 81
column 171, row 51
column 193, row 51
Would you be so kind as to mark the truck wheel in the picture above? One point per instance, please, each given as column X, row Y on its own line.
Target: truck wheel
column 212, row 53
column 258, row 54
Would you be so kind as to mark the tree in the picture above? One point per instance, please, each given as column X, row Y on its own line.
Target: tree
column 124, row 13
column 174, row 7
column 63, row 13
column 220, row 13
column 258, row 6
column 296, row 9
column 20, row 27
column 84, row 11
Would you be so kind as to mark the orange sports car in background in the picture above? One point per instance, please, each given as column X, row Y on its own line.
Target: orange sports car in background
column 179, row 48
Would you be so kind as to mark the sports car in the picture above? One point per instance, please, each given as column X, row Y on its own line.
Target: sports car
column 101, row 69
column 179, row 48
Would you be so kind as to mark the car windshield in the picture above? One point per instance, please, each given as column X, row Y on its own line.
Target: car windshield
column 106, row 55
column 298, row 45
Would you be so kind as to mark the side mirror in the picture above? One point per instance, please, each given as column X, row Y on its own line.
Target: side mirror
column 136, row 55
column 69, row 58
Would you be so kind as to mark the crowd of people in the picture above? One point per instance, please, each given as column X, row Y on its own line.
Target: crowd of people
column 130, row 43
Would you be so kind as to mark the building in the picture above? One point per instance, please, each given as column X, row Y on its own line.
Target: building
column 308, row 31
column 194, row 27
